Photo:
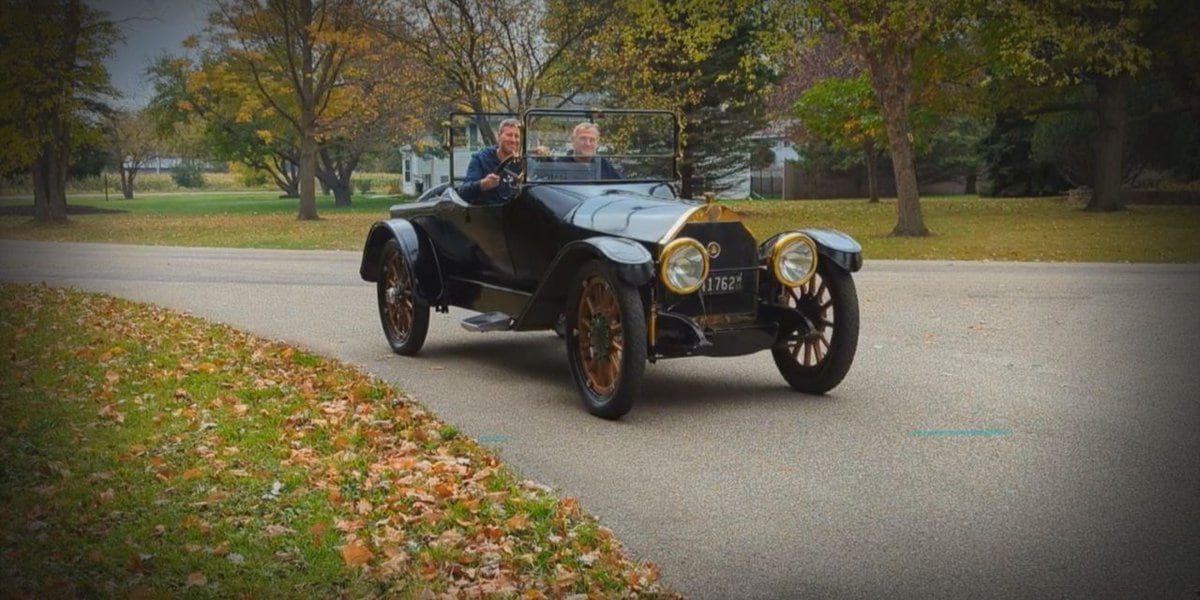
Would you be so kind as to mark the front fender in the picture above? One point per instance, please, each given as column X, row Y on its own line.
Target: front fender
column 416, row 248
column 632, row 261
column 832, row 244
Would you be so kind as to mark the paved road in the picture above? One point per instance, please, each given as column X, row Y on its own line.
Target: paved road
column 1008, row 430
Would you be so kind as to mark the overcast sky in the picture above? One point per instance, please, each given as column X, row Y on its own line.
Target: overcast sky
column 152, row 28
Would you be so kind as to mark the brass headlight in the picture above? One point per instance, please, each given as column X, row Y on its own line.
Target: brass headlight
column 794, row 259
column 683, row 265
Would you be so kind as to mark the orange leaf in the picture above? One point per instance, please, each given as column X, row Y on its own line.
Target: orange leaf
column 517, row 522
column 196, row 578
column 355, row 554
column 192, row 474
column 318, row 531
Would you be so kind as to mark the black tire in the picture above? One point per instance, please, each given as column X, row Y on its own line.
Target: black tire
column 404, row 316
column 606, row 340
column 818, row 362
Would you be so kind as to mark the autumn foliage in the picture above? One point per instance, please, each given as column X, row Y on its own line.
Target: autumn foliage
column 148, row 454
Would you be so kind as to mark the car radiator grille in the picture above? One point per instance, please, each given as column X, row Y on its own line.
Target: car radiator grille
column 738, row 255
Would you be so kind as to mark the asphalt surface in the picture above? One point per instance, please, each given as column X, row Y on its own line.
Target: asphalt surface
column 1007, row 430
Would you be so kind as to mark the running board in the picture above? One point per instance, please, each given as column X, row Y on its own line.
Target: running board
column 491, row 321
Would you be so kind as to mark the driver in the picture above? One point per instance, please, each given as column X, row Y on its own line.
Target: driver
column 483, row 183
column 584, row 140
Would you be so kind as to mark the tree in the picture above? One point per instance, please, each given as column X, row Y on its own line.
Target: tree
column 51, row 84
column 1108, row 47
column 295, row 52
column 711, row 61
column 843, row 113
column 130, row 139
column 884, row 36
column 382, row 109
column 494, row 55
column 214, row 114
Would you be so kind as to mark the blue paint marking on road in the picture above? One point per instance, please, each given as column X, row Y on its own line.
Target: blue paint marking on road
column 493, row 439
column 961, row 432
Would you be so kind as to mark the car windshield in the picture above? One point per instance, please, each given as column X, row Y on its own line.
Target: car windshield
column 586, row 146
column 468, row 133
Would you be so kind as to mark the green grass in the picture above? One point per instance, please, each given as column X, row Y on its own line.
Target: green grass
column 149, row 182
column 1005, row 229
column 152, row 455
column 963, row 227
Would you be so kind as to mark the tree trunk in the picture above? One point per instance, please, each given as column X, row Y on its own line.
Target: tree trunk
column 894, row 105
column 308, row 122
column 308, row 177
column 340, row 187
column 1110, row 140
column 341, row 194
column 685, row 173
column 972, row 177
column 50, row 179
column 127, row 176
column 283, row 171
column 50, row 167
column 872, row 175
column 335, row 170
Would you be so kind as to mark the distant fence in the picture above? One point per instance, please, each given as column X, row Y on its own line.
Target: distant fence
column 1173, row 197
column 795, row 183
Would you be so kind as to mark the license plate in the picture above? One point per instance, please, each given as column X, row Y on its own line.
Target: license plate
column 722, row 284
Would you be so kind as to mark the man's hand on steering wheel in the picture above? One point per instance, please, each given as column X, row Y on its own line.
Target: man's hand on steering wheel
column 507, row 171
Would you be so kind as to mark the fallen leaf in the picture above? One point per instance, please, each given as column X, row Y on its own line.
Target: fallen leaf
column 135, row 563
column 517, row 522
column 195, row 578
column 355, row 554
column 278, row 530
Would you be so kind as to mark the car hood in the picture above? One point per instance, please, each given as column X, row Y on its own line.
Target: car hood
column 632, row 215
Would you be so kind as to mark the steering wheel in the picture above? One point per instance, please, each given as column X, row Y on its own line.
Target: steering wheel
column 509, row 172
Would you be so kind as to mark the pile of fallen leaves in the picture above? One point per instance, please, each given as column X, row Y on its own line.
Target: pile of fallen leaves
column 149, row 454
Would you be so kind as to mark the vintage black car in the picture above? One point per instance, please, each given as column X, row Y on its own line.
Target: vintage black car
column 623, row 269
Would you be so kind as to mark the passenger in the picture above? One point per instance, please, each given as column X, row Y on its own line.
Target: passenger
column 584, row 140
column 482, row 184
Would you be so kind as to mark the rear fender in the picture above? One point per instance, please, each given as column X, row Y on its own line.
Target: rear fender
column 632, row 261
column 832, row 245
column 416, row 248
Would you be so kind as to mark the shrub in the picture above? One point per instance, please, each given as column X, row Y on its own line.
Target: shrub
column 249, row 177
column 363, row 185
column 188, row 175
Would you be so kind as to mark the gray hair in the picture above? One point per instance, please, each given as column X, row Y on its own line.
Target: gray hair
column 585, row 125
column 505, row 124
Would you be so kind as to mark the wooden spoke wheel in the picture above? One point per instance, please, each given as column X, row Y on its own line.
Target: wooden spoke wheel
column 405, row 316
column 816, row 360
column 606, row 340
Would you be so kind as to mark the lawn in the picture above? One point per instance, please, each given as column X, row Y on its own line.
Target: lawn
column 147, row 454
column 963, row 227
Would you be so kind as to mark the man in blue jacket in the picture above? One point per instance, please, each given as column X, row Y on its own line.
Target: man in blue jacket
column 482, row 184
